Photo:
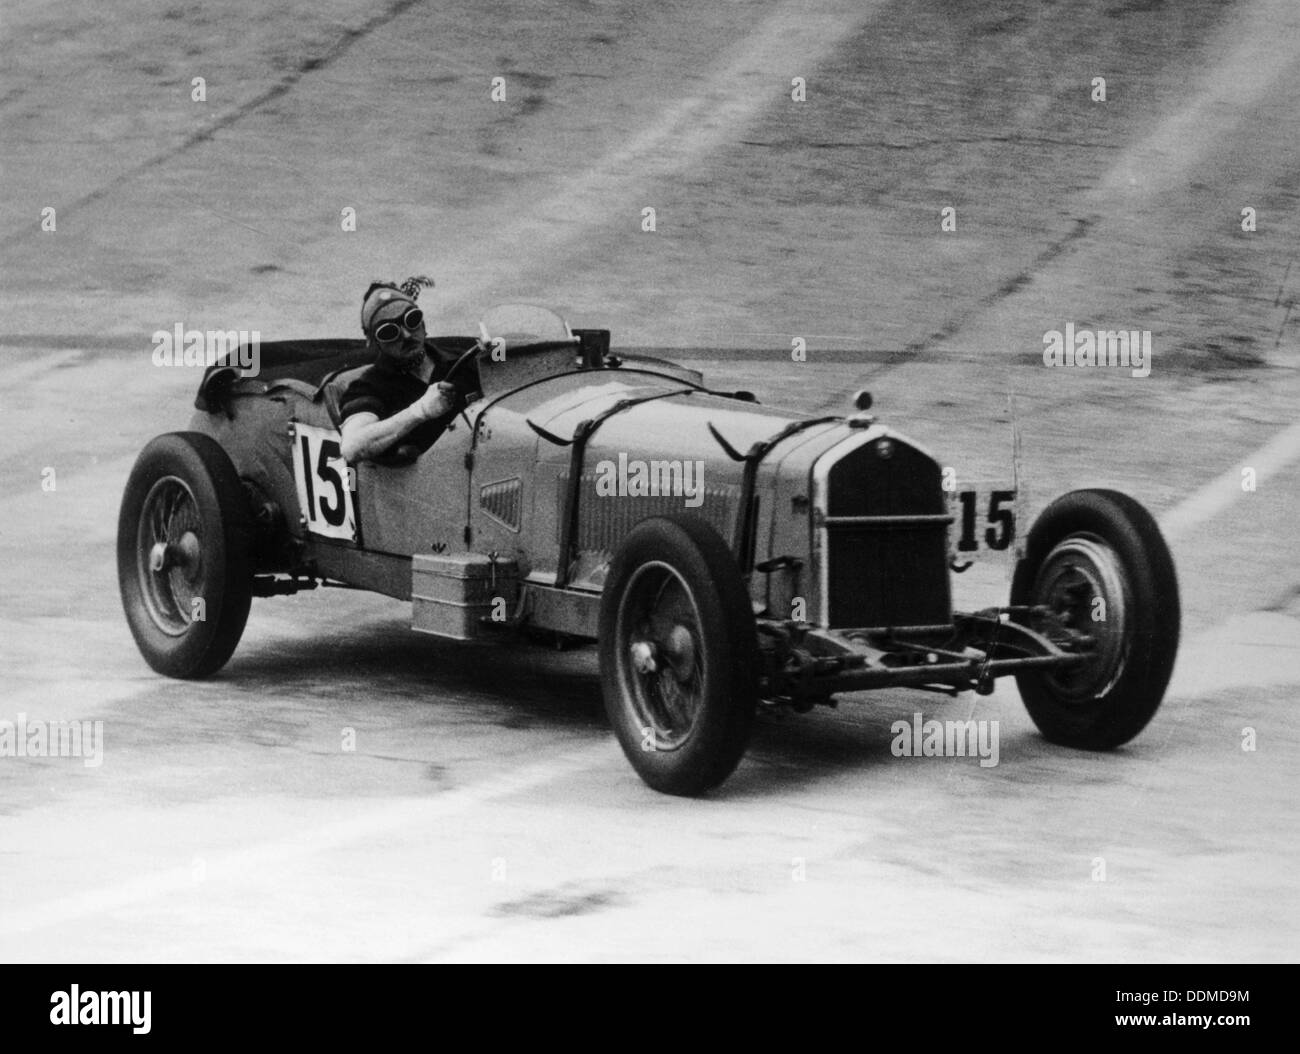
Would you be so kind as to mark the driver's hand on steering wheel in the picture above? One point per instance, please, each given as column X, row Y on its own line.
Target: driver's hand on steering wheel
column 437, row 402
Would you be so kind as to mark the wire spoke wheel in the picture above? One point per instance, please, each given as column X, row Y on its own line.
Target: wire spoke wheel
column 183, row 555
column 1082, row 583
column 169, row 555
column 1096, row 560
column 660, row 658
column 678, row 654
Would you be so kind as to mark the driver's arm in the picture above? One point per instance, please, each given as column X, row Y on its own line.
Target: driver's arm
column 366, row 435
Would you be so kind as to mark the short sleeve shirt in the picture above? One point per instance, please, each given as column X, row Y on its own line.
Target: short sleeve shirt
column 384, row 391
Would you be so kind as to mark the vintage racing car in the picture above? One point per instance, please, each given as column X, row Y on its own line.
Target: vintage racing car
column 721, row 553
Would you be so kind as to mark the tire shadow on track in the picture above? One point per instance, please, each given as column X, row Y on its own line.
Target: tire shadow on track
column 385, row 661
column 381, row 671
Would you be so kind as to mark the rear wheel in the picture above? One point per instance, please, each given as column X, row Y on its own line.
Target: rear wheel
column 183, row 543
column 1097, row 560
column 678, row 655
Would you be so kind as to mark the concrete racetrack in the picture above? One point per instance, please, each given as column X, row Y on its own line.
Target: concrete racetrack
column 486, row 811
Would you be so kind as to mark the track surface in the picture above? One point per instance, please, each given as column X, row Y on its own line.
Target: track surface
column 486, row 812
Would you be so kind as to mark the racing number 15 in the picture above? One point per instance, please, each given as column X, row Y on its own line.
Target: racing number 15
column 324, row 482
column 1002, row 521
column 335, row 512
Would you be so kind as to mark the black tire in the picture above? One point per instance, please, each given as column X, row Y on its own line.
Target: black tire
column 675, row 595
column 184, row 507
column 1086, row 544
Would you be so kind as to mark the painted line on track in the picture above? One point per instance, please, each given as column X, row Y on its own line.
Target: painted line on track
column 749, row 78
column 1225, row 488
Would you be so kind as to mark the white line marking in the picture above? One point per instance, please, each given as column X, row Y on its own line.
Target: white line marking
column 1262, row 50
column 1225, row 488
column 236, row 866
column 791, row 41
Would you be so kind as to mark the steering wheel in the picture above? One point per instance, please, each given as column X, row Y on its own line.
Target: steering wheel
column 477, row 348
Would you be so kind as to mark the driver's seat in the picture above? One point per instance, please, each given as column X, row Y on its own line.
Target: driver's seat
column 332, row 389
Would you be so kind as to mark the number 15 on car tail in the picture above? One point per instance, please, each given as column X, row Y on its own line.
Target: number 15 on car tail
column 324, row 479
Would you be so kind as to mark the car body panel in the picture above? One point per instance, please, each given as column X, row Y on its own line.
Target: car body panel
column 497, row 481
column 493, row 484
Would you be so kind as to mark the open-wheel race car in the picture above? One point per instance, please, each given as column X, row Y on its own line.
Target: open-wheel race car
column 721, row 553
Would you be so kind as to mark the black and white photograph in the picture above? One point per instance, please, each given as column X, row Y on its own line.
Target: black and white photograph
column 597, row 481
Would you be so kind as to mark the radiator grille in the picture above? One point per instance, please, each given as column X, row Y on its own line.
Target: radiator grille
column 886, row 574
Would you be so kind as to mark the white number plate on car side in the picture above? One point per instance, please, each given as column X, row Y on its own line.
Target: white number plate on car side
column 325, row 482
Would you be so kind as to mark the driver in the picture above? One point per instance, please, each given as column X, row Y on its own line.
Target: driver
column 401, row 400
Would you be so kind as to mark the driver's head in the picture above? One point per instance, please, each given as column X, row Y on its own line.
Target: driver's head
column 393, row 325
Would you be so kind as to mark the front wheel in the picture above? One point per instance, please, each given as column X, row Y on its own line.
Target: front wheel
column 183, row 542
column 678, row 654
column 1097, row 561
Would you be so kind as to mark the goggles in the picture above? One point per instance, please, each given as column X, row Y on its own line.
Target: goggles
column 390, row 331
